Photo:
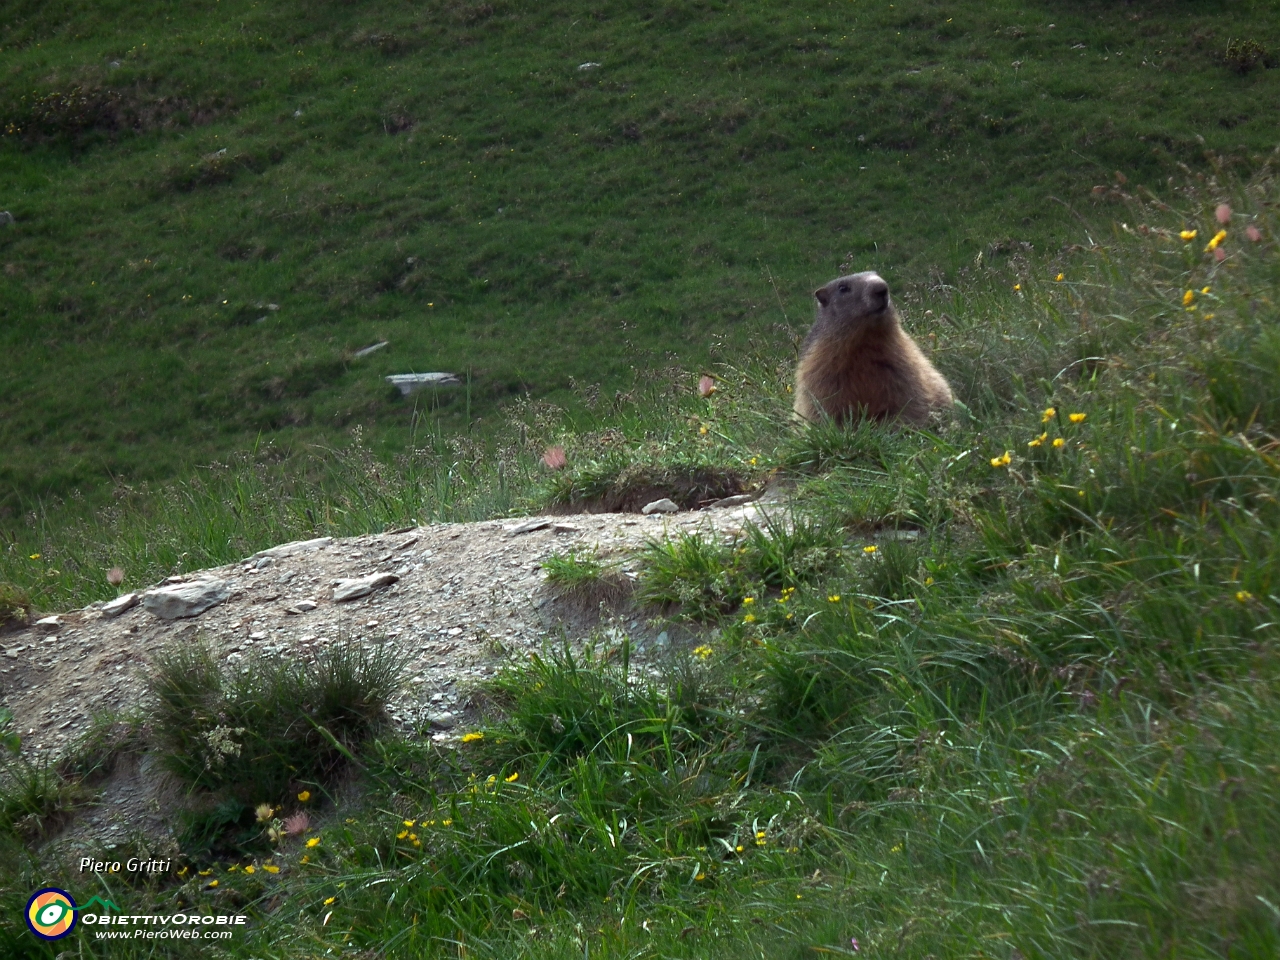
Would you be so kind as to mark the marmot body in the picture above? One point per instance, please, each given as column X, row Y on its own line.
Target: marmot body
column 858, row 361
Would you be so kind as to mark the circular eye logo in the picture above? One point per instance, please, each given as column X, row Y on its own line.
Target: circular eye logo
column 51, row 913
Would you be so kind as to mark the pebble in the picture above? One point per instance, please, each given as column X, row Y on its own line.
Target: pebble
column 120, row 604
column 660, row 506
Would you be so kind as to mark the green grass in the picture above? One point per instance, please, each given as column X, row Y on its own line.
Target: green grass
column 446, row 178
column 1039, row 720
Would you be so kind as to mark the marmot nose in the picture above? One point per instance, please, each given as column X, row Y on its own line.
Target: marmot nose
column 878, row 293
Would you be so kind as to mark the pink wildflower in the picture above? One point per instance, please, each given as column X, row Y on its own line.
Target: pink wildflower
column 1223, row 213
column 296, row 824
column 1253, row 233
column 115, row 576
column 554, row 458
column 706, row 386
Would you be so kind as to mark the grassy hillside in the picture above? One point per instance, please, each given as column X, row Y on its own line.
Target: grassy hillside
column 1002, row 689
column 452, row 178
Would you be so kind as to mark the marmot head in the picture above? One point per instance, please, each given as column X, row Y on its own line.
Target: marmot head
column 856, row 299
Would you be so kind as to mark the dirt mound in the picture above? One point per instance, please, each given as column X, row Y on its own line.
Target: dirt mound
column 453, row 601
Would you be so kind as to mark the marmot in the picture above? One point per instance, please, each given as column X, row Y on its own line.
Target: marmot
column 858, row 361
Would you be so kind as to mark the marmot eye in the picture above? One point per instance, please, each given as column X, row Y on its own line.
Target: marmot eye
column 844, row 288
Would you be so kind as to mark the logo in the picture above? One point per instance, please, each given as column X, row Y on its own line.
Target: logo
column 51, row 913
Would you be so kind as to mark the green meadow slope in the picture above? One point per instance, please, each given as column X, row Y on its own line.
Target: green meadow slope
column 454, row 179
column 1005, row 689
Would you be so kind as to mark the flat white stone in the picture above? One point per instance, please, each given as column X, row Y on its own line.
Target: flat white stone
column 294, row 548
column 408, row 383
column 660, row 506
column 120, row 604
column 49, row 623
column 303, row 606
column 362, row 586
column 185, row 599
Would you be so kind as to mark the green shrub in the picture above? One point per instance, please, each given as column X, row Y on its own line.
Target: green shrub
column 255, row 733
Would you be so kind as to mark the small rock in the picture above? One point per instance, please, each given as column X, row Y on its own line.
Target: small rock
column 6, row 218
column 294, row 548
column 304, row 606
column 185, row 599
column 660, row 506
column 120, row 604
column 441, row 721
column 353, row 589
column 589, row 65
column 257, row 635
column 737, row 501
column 264, row 562
column 564, row 528
column 529, row 526
column 368, row 350
column 49, row 623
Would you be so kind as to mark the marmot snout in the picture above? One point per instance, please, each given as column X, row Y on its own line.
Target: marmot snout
column 858, row 361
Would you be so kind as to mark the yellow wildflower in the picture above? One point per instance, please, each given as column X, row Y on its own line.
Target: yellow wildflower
column 749, row 618
column 304, row 796
column 1077, row 417
column 182, row 872
column 410, row 823
column 514, row 777
column 402, row 834
column 1017, row 287
column 472, row 737
column 271, row 868
column 313, row 842
column 1204, row 289
column 417, row 842
column 329, row 901
column 928, row 581
column 233, row 868
column 700, row 876
column 834, row 598
column 1058, row 443
column 1059, row 278
column 896, row 848
column 212, row 884
column 1188, row 235
column 250, row 869
column 1244, row 596
column 870, row 549
column 702, row 651
column 1049, row 414
column 205, row 873
column 753, row 461
column 1188, row 297
column 446, row 823
column 1038, row 440
column 305, row 859
column 1217, row 239
column 1003, row 460
column 702, row 430
column 740, row 848
column 747, row 601
column 413, row 837
column 35, row 556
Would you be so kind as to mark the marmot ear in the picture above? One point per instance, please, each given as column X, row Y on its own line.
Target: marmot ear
column 823, row 295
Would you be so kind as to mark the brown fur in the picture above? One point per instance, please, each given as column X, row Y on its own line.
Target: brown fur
column 858, row 361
